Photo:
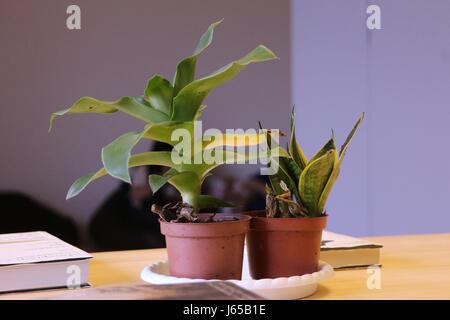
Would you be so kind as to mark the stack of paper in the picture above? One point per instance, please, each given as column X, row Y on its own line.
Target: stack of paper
column 343, row 252
column 38, row 260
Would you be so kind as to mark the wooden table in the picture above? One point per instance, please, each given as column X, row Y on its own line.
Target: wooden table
column 414, row 267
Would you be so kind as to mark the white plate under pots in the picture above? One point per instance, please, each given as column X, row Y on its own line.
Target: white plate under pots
column 284, row 288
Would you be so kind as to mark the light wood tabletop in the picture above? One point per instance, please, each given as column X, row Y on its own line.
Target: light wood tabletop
column 414, row 267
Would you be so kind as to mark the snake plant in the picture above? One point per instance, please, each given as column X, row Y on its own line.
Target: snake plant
column 301, row 187
column 164, row 107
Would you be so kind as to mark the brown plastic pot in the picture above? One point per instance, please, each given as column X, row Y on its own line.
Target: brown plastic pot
column 283, row 247
column 212, row 250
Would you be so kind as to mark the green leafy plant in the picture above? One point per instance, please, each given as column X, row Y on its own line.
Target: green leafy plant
column 301, row 187
column 165, row 106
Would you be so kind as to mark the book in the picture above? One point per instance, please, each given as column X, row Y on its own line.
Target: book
column 39, row 260
column 345, row 252
column 207, row 290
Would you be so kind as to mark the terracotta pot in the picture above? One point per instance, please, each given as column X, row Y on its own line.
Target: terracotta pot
column 212, row 250
column 283, row 247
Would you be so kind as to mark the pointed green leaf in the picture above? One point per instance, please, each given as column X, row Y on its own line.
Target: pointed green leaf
column 209, row 202
column 82, row 182
column 163, row 131
column 292, row 169
column 188, row 185
column 200, row 112
column 313, row 180
column 327, row 147
column 158, row 158
column 135, row 107
column 349, row 137
column 206, row 38
column 115, row 156
column 328, row 187
column 185, row 73
column 337, row 166
column 159, row 93
column 188, row 101
column 157, row 181
column 294, row 148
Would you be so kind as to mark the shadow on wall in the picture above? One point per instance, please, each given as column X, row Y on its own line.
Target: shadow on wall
column 20, row 213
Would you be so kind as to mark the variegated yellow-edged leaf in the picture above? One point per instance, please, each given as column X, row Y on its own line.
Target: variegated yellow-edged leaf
column 294, row 147
column 330, row 145
column 329, row 185
column 233, row 140
column 313, row 180
column 349, row 137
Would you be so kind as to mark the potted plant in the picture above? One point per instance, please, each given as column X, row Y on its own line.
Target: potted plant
column 285, row 240
column 199, row 246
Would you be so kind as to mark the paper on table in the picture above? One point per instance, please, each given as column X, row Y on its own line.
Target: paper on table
column 33, row 247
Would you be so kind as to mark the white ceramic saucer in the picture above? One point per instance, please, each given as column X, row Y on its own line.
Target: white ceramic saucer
column 290, row 288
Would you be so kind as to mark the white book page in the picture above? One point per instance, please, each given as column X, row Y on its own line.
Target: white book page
column 33, row 247
column 331, row 240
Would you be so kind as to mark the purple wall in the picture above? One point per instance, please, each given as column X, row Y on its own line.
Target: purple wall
column 396, row 177
column 45, row 67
